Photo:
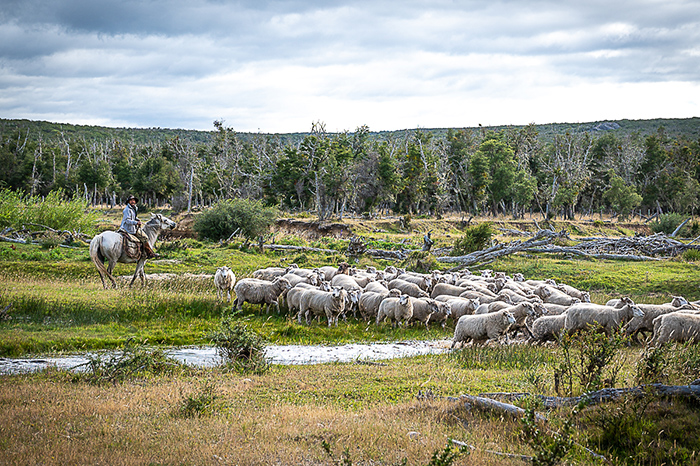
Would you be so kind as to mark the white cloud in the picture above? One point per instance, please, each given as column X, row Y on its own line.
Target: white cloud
column 278, row 66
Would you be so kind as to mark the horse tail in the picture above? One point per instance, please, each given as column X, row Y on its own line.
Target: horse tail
column 97, row 256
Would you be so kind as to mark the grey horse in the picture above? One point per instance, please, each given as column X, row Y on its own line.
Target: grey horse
column 108, row 246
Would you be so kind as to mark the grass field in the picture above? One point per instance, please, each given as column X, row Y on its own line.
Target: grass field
column 322, row 414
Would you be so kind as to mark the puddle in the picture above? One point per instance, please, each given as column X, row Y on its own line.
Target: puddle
column 282, row 354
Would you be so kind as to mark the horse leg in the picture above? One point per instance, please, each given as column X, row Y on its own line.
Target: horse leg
column 110, row 267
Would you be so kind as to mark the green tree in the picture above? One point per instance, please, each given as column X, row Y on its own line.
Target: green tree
column 621, row 197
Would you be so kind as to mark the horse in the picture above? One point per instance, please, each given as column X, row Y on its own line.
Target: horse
column 108, row 245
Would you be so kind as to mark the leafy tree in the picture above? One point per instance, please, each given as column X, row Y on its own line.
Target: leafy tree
column 621, row 197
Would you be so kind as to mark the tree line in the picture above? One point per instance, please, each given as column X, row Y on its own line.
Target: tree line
column 475, row 171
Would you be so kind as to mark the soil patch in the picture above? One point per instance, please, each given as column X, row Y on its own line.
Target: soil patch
column 312, row 230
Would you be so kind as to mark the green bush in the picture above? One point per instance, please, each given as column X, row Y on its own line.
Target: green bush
column 667, row 223
column 475, row 238
column 249, row 218
column 53, row 211
column 240, row 347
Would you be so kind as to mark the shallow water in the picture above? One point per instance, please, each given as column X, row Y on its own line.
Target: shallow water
column 282, row 354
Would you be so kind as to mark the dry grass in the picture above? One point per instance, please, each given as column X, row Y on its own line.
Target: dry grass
column 279, row 418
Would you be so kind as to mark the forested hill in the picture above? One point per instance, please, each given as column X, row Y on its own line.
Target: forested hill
column 686, row 128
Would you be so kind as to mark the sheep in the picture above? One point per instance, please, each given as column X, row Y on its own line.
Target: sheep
column 293, row 298
column 440, row 316
column 423, row 309
column 397, row 309
column 350, row 285
column 484, row 298
column 555, row 309
column 459, row 306
column 329, row 271
column 545, row 328
column 584, row 296
column 521, row 311
column 425, row 283
column 270, row 273
column 645, row 324
column 447, row 289
column 582, row 315
column 408, row 288
column 294, row 279
column 494, row 306
column 516, row 297
column 328, row 303
column 370, row 301
column 482, row 327
column 379, row 286
column 552, row 295
column 254, row 291
column 676, row 326
column 224, row 279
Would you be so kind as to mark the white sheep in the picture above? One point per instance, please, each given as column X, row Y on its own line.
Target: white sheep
column 582, row 316
column 398, row 310
column 459, row 306
column 224, row 279
column 448, row 289
column 424, row 282
column 584, row 296
column 423, row 309
column 549, row 294
column 370, row 301
column 408, row 288
column 645, row 324
column 680, row 326
column 328, row 303
column 254, row 291
column 270, row 273
column 379, row 286
column 440, row 316
column 482, row 327
column 547, row 327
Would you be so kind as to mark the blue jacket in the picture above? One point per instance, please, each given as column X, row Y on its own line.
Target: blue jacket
column 129, row 221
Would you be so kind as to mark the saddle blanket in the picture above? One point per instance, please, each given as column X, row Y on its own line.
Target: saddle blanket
column 133, row 248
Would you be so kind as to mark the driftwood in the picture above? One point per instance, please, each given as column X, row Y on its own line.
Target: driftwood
column 487, row 404
column 542, row 238
column 636, row 248
column 604, row 395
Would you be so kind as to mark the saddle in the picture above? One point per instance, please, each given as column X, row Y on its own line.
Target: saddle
column 133, row 248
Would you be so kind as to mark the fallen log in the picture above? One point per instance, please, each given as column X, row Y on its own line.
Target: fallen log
column 603, row 395
column 487, row 404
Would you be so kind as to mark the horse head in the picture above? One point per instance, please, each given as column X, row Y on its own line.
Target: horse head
column 163, row 222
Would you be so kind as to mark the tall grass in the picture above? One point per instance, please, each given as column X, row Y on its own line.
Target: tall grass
column 54, row 211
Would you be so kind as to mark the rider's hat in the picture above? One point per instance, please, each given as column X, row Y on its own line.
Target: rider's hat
column 132, row 197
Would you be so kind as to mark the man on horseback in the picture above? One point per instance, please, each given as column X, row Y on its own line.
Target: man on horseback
column 132, row 225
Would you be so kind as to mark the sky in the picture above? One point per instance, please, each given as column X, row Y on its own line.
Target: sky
column 279, row 66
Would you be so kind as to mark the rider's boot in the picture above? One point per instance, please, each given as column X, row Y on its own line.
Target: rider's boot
column 150, row 254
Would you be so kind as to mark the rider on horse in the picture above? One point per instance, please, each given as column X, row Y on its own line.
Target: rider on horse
column 132, row 225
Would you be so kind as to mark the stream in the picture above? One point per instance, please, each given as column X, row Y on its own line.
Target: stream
column 276, row 354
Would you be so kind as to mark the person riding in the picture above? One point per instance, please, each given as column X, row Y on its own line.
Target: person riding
column 132, row 225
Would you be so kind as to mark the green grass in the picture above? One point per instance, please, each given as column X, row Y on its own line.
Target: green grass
column 58, row 303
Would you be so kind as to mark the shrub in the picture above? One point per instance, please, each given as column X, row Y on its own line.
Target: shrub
column 475, row 238
column 667, row 223
column 53, row 211
column 588, row 358
column 132, row 361
column 691, row 255
column 250, row 219
column 420, row 262
column 240, row 347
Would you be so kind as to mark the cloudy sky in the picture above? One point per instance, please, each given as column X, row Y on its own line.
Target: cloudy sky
column 278, row 66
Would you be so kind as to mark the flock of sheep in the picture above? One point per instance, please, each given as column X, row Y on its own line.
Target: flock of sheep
column 482, row 307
